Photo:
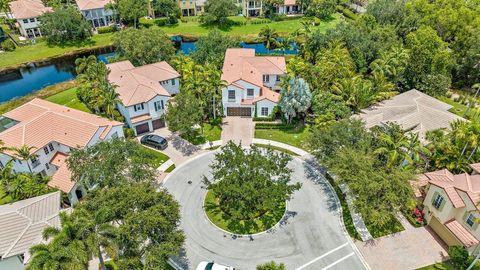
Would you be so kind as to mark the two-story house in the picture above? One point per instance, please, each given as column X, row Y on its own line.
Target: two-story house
column 290, row 7
column 52, row 130
column 451, row 206
column 252, row 83
column 251, row 8
column 191, row 7
column 144, row 92
column 95, row 12
column 27, row 13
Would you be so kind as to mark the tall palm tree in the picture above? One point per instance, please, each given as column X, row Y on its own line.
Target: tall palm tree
column 108, row 99
column 215, row 84
column 393, row 146
column 25, row 153
column 269, row 36
column 416, row 149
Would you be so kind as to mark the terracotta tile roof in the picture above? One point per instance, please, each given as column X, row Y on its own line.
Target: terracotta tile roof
column 290, row 2
column 141, row 118
column 62, row 179
column 464, row 236
column 453, row 184
column 475, row 167
column 22, row 223
column 23, row 9
column 91, row 4
column 141, row 84
column 242, row 64
column 42, row 122
column 412, row 110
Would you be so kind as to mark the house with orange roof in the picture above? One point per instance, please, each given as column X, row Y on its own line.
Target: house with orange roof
column 451, row 206
column 26, row 12
column 144, row 92
column 290, row 7
column 252, row 83
column 96, row 13
column 52, row 131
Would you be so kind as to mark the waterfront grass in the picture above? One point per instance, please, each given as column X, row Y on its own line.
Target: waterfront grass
column 43, row 93
column 41, row 50
column 69, row 98
column 222, row 220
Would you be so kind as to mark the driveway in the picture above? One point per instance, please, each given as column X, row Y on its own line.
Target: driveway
column 238, row 129
column 311, row 236
column 410, row 249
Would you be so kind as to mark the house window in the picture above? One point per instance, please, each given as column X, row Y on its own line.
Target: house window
column 50, row 146
column 438, row 201
column 231, row 94
column 115, row 135
column 250, row 92
column 45, row 149
column 138, row 107
column 47, row 166
column 278, row 78
column 470, row 220
column 266, row 78
column 264, row 111
column 159, row 105
column 25, row 21
column 32, row 20
column 173, row 82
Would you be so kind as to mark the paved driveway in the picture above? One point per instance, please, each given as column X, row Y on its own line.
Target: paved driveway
column 410, row 249
column 179, row 150
column 310, row 237
column 238, row 129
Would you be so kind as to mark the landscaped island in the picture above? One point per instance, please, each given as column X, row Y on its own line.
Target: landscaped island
column 249, row 189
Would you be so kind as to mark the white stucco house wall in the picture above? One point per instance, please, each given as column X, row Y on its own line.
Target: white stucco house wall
column 144, row 92
column 95, row 12
column 290, row 7
column 451, row 206
column 53, row 131
column 27, row 13
column 252, row 83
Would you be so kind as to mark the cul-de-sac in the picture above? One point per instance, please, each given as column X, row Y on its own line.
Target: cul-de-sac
column 239, row 134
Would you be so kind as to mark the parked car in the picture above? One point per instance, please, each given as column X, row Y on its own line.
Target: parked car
column 213, row 266
column 154, row 141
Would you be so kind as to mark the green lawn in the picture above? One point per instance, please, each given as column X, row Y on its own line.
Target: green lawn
column 194, row 28
column 210, row 133
column 69, row 98
column 42, row 50
column 159, row 157
column 267, row 146
column 297, row 137
column 225, row 222
column 438, row 266
column 170, row 169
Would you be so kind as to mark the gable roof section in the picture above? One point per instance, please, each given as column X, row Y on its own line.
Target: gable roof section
column 412, row 110
column 22, row 223
column 91, row 4
column 464, row 236
column 62, row 179
column 140, row 84
column 23, row 9
column 42, row 122
column 453, row 184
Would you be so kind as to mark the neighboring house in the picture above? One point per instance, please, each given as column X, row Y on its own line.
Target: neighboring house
column 251, row 8
column 290, row 7
column 27, row 12
column 451, row 206
column 53, row 130
column 94, row 12
column 413, row 111
column 252, row 81
column 21, row 226
column 144, row 92
column 191, row 7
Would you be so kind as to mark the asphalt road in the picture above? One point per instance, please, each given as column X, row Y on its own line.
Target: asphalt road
column 310, row 237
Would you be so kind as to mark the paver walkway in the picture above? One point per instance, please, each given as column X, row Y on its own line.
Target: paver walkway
column 238, row 129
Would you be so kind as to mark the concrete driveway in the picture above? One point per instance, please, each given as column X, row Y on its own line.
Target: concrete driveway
column 310, row 237
column 238, row 129
column 179, row 150
column 409, row 249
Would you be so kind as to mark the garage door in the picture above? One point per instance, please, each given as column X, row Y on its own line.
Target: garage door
column 239, row 111
column 142, row 128
column 443, row 232
column 159, row 123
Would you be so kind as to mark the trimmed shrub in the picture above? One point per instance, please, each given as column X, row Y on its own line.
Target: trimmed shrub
column 8, row 45
column 349, row 14
column 129, row 133
column 107, row 29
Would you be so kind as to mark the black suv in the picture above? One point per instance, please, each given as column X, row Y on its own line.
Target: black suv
column 154, row 141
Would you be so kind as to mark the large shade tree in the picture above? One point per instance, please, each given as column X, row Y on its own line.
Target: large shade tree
column 249, row 182
column 211, row 48
column 217, row 12
column 64, row 25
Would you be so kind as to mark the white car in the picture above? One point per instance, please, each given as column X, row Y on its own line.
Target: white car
column 213, row 266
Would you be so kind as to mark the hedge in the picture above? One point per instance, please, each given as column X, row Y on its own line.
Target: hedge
column 107, row 29
column 274, row 125
column 349, row 14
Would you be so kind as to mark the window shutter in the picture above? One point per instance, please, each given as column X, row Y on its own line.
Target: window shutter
column 435, row 194
column 163, row 105
column 156, row 106
column 475, row 224
column 135, row 107
column 442, row 204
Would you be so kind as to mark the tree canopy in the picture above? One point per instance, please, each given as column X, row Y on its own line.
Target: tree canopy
column 143, row 46
column 217, row 12
column 64, row 25
column 211, row 48
column 295, row 97
column 249, row 182
column 132, row 10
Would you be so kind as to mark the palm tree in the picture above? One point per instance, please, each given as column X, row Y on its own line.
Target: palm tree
column 269, row 36
column 24, row 153
column 416, row 149
column 356, row 92
column 393, row 146
column 108, row 99
column 215, row 84
column 286, row 44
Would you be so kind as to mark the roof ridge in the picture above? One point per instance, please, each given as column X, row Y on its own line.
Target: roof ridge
column 18, row 238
